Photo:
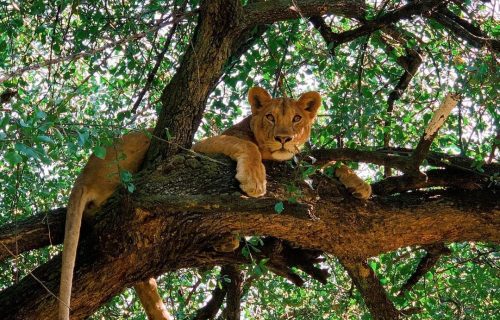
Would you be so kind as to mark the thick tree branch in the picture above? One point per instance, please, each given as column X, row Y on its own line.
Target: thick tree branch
column 35, row 232
column 374, row 295
column 234, row 292
column 216, row 36
column 434, row 252
column 267, row 12
column 212, row 307
column 146, row 234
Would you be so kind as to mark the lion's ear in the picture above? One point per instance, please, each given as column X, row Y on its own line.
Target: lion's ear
column 310, row 102
column 257, row 98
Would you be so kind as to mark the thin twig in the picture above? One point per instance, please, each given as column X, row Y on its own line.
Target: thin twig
column 161, row 56
column 83, row 54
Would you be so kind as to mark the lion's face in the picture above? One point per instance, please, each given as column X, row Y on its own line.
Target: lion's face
column 281, row 126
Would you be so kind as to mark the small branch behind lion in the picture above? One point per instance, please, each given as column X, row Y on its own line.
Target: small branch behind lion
column 189, row 150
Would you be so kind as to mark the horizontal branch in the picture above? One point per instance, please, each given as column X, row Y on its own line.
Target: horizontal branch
column 147, row 233
column 38, row 231
column 267, row 12
column 433, row 178
column 402, row 13
column 398, row 158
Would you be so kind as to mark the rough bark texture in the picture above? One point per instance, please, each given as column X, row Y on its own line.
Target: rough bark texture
column 201, row 67
column 185, row 205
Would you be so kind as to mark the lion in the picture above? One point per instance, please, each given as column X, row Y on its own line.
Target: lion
column 276, row 130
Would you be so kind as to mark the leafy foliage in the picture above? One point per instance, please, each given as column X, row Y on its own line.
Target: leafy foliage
column 87, row 61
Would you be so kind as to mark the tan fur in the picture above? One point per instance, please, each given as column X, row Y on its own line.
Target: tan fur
column 274, row 131
column 270, row 133
column 96, row 183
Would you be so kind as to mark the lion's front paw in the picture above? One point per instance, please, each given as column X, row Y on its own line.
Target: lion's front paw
column 252, row 178
column 359, row 188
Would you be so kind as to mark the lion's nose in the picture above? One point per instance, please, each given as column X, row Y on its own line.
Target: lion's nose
column 282, row 139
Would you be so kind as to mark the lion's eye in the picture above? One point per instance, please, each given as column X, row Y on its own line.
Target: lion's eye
column 270, row 117
column 297, row 118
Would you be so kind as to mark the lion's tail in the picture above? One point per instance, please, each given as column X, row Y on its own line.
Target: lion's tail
column 77, row 202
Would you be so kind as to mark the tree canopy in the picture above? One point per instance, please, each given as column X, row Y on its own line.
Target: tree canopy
column 75, row 75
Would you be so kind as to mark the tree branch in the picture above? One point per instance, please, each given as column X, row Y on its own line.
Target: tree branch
column 371, row 290
column 148, row 233
column 434, row 252
column 234, row 292
column 410, row 63
column 84, row 54
column 368, row 27
column 434, row 178
column 464, row 29
column 38, row 231
column 267, row 12
column 209, row 311
column 437, row 120
column 160, row 57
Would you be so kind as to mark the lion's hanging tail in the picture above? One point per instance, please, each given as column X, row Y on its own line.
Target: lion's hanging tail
column 77, row 202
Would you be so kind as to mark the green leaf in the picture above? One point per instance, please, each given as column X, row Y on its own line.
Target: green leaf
column 43, row 138
column 279, row 207
column 100, row 152
column 125, row 176
column 13, row 157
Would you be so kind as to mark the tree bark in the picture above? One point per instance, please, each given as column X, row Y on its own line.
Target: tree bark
column 184, row 206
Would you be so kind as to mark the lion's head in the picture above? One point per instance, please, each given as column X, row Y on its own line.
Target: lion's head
column 281, row 126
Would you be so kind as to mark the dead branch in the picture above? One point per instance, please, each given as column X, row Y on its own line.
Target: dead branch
column 437, row 120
